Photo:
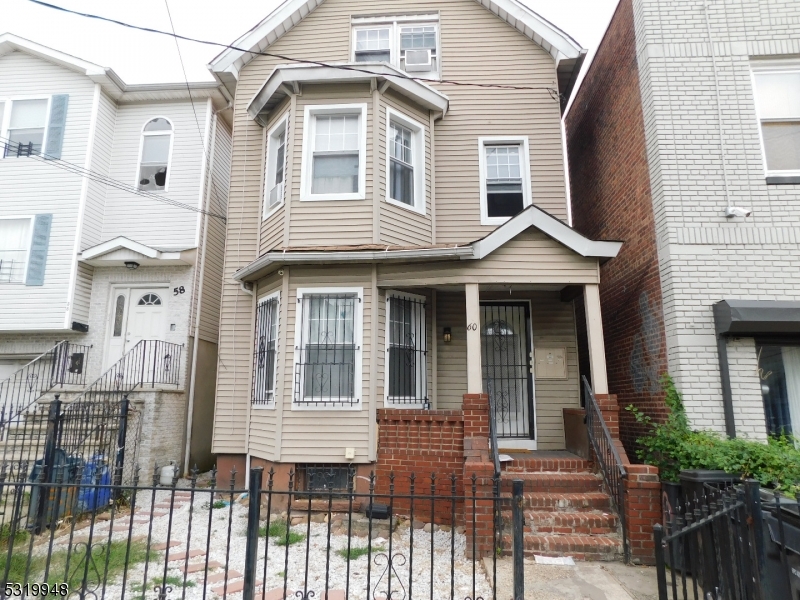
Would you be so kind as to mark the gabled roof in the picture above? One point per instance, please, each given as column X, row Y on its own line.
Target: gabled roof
column 230, row 62
column 273, row 90
column 116, row 252
column 112, row 84
column 533, row 216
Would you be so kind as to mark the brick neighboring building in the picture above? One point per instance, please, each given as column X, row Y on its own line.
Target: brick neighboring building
column 664, row 135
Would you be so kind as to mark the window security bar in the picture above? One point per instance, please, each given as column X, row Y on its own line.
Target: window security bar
column 327, row 350
column 264, row 353
column 407, row 352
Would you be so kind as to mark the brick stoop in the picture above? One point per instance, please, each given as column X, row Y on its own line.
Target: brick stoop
column 567, row 510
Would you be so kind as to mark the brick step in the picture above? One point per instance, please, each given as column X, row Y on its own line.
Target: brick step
column 579, row 547
column 525, row 464
column 549, row 501
column 553, row 482
column 565, row 523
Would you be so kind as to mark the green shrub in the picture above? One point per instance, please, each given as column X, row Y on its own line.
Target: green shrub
column 276, row 529
column 358, row 552
column 293, row 538
column 673, row 446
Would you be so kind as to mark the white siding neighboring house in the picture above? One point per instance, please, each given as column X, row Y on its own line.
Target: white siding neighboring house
column 73, row 247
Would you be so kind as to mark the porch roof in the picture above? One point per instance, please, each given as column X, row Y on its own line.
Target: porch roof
column 532, row 216
column 116, row 252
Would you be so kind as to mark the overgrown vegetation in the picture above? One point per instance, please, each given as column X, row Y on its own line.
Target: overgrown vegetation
column 673, row 446
column 358, row 552
column 107, row 565
column 171, row 580
column 279, row 530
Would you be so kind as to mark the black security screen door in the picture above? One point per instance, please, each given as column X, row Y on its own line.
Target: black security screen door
column 505, row 349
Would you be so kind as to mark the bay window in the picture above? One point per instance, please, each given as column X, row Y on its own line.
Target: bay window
column 274, row 189
column 405, row 161
column 265, row 356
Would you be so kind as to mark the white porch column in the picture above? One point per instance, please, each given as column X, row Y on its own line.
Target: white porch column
column 474, row 376
column 594, row 331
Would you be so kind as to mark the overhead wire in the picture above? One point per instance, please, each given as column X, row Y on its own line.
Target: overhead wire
column 64, row 165
column 554, row 93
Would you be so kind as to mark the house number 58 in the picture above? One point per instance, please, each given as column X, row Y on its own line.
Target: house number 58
column 178, row 290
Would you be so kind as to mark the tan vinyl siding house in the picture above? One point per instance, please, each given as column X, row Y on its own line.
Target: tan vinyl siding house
column 431, row 255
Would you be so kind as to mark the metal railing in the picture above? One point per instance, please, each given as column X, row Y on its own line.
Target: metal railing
column 63, row 364
column 607, row 457
column 210, row 537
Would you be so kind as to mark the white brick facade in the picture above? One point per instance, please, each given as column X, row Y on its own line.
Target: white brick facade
column 704, row 153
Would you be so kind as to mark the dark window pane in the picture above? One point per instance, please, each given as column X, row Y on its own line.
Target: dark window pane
column 374, row 56
column 402, row 372
column 119, row 311
column 503, row 204
column 329, row 372
column 402, row 182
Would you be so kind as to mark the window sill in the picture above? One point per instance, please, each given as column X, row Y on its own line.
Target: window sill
column 783, row 179
column 303, row 408
column 403, row 205
column 331, row 197
column 494, row 221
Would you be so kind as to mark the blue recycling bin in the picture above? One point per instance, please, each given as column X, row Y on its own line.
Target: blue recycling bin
column 95, row 472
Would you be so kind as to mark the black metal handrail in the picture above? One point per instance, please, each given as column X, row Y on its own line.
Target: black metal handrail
column 64, row 363
column 608, row 458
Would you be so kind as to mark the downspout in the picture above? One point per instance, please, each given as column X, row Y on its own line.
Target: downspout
column 721, row 329
column 211, row 125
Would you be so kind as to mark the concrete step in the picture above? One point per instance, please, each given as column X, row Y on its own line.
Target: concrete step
column 566, row 482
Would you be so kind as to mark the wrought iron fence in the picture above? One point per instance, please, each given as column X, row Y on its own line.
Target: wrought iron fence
column 608, row 459
column 166, row 539
column 63, row 364
column 738, row 543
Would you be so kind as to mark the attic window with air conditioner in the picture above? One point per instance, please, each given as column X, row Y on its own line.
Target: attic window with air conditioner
column 410, row 43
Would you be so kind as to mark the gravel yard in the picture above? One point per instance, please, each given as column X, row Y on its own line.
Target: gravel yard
column 226, row 546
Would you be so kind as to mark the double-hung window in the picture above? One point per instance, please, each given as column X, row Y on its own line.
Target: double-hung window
column 15, row 240
column 26, row 126
column 274, row 188
column 778, row 102
column 154, row 155
column 408, row 42
column 405, row 161
column 504, row 178
column 406, row 350
column 328, row 349
column 334, row 152
column 265, row 356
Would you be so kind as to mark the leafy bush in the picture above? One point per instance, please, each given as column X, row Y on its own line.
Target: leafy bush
column 673, row 446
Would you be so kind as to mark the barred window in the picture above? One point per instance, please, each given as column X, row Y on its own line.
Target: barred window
column 328, row 350
column 265, row 352
column 407, row 350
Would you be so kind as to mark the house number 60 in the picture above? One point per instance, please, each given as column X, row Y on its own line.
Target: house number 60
column 472, row 327
column 178, row 290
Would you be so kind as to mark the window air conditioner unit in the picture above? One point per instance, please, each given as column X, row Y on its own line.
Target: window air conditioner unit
column 419, row 60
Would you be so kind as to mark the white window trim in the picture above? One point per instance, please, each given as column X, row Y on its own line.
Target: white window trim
column 273, row 404
column 358, row 338
column 30, row 219
column 8, row 104
column 387, row 400
column 308, row 150
column 527, row 200
column 394, row 23
column 770, row 67
column 417, row 151
column 269, row 172
column 142, row 135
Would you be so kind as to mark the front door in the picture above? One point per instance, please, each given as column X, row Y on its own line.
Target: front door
column 136, row 314
column 506, row 359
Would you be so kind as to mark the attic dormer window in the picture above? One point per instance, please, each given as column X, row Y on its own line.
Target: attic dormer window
column 410, row 43
column 154, row 155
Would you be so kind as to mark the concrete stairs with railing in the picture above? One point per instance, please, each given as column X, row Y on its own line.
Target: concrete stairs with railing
column 567, row 510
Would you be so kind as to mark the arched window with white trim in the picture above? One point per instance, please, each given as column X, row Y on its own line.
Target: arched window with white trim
column 155, row 152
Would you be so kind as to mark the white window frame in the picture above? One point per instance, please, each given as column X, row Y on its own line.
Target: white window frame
column 30, row 219
column 422, row 369
column 394, row 23
column 772, row 67
column 309, row 124
column 358, row 339
column 270, row 405
column 8, row 105
column 142, row 135
column 418, row 154
column 271, row 167
column 522, row 142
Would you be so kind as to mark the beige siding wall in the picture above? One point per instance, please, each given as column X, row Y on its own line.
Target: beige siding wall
column 531, row 257
column 452, row 357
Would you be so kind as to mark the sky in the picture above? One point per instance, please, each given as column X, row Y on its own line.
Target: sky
column 139, row 57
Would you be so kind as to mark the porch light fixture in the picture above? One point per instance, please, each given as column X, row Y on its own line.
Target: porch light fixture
column 131, row 264
column 447, row 335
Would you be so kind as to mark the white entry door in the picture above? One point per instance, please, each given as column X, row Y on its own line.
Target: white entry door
column 136, row 314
